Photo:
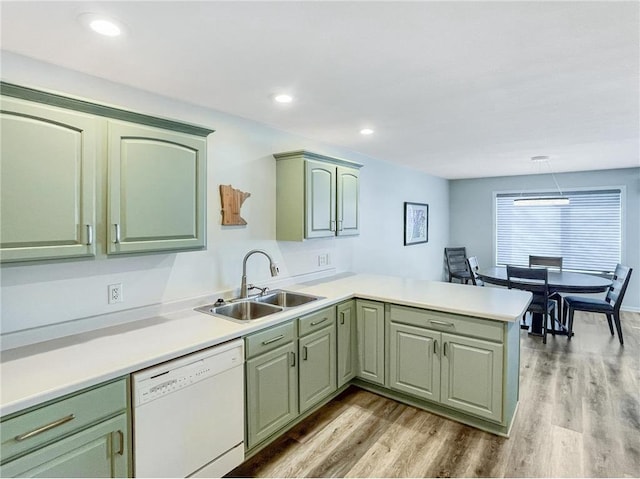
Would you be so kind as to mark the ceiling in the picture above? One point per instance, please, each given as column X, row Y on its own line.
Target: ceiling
column 455, row 89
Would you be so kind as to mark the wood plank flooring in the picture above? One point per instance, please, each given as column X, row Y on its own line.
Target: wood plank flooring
column 579, row 416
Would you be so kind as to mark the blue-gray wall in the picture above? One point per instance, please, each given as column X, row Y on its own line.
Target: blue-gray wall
column 472, row 213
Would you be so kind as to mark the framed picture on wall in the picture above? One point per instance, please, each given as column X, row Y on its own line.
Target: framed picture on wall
column 416, row 223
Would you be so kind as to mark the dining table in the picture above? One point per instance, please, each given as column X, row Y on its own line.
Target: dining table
column 559, row 282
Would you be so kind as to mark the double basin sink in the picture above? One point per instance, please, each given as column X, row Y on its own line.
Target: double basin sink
column 259, row 306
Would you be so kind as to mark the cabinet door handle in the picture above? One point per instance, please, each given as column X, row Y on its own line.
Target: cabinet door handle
column 304, row 352
column 315, row 323
column 444, row 350
column 117, row 235
column 435, row 346
column 342, row 317
column 441, row 323
column 339, row 225
column 293, row 359
column 273, row 340
column 45, row 428
column 89, row 234
column 332, row 226
column 121, row 438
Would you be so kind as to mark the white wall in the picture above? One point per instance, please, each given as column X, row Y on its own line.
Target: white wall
column 472, row 223
column 240, row 154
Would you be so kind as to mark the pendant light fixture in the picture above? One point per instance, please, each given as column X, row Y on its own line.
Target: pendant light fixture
column 543, row 200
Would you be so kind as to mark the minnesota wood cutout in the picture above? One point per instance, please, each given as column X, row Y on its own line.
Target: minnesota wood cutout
column 232, row 200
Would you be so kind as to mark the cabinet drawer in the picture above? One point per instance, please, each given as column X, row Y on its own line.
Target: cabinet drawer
column 264, row 341
column 450, row 323
column 315, row 321
column 40, row 426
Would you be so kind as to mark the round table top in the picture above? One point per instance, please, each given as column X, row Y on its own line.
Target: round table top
column 560, row 281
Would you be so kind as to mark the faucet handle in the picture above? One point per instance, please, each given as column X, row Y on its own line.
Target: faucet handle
column 262, row 290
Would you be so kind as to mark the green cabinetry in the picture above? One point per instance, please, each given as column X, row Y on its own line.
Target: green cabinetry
column 48, row 187
column 290, row 368
column 82, row 435
column 317, row 196
column 317, row 353
column 63, row 159
column 370, row 340
column 156, row 189
column 455, row 361
column 347, row 354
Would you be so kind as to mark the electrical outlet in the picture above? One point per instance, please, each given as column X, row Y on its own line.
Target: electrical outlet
column 115, row 293
column 323, row 259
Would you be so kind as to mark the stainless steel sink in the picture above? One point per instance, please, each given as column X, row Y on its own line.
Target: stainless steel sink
column 259, row 306
column 286, row 299
column 242, row 310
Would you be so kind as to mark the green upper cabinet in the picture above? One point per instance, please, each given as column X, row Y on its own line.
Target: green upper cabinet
column 47, row 170
column 317, row 196
column 157, row 183
column 64, row 158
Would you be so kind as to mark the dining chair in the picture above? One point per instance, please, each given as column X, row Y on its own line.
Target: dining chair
column 457, row 264
column 550, row 262
column 535, row 280
column 610, row 305
column 474, row 267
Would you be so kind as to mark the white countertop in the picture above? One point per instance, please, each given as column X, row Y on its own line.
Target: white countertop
column 33, row 374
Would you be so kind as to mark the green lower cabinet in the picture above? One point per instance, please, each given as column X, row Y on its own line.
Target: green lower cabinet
column 347, row 354
column 414, row 361
column 370, row 339
column 99, row 451
column 272, row 392
column 317, row 353
column 472, row 376
column 460, row 372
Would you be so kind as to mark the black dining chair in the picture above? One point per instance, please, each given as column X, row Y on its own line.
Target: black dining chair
column 609, row 306
column 457, row 264
column 474, row 267
column 550, row 262
column 535, row 280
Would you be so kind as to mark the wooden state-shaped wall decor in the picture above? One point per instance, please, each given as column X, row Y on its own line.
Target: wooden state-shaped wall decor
column 232, row 200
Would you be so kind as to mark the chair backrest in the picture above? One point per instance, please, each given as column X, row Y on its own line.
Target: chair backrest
column 621, row 278
column 456, row 259
column 554, row 262
column 530, row 279
column 474, row 267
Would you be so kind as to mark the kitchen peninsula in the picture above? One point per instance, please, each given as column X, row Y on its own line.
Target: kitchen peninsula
column 475, row 323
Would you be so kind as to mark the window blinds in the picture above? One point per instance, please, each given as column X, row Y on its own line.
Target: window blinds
column 587, row 232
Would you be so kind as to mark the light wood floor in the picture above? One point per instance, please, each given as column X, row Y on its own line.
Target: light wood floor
column 579, row 416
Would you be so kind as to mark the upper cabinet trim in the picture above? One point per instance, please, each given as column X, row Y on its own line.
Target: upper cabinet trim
column 309, row 155
column 77, row 104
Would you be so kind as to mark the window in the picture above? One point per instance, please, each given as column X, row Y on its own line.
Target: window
column 587, row 232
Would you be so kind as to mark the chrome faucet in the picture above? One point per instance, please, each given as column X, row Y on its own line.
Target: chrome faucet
column 272, row 267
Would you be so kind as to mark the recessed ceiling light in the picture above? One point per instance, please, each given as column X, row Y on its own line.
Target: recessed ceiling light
column 366, row 131
column 101, row 24
column 283, row 98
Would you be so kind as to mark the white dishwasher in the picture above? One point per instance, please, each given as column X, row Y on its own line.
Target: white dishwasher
column 188, row 414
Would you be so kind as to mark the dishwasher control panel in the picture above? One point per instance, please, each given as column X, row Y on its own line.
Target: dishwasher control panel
column 164, row 379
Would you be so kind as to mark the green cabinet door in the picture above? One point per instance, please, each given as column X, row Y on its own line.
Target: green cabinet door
column 99, row 451
column 414, row 361
column 317, row 373
column 347, row 199
column 47, row 190
column 157, row 189
column 272, row 392
column 472, row 376
column 347, row 346
column 320, row 191
column 370, row 339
